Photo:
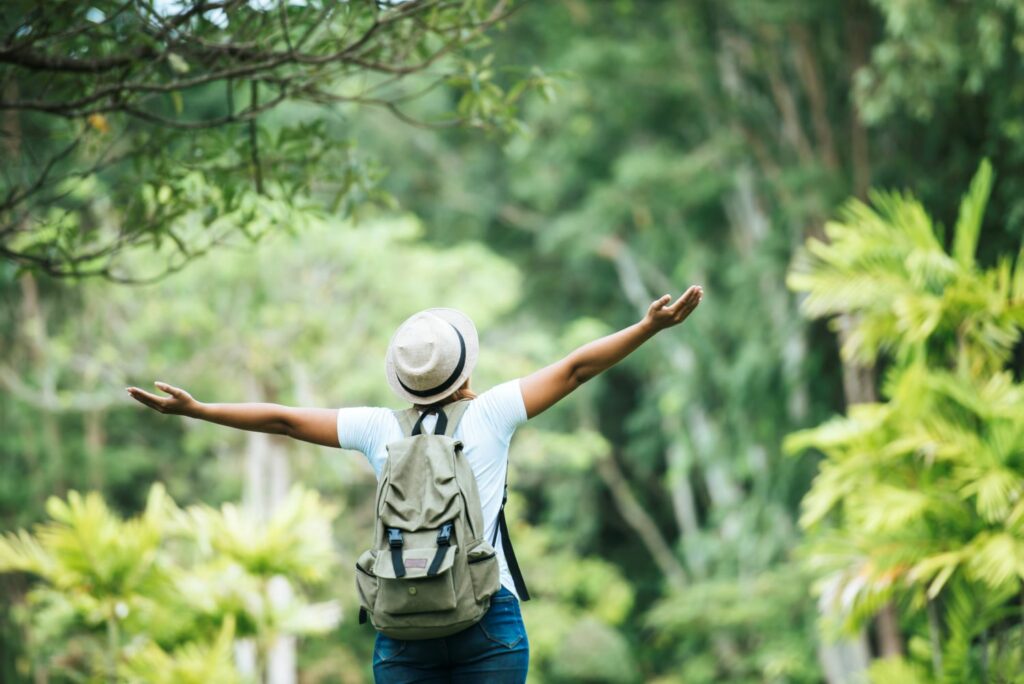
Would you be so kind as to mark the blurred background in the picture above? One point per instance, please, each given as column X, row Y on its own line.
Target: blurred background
column 817, row 478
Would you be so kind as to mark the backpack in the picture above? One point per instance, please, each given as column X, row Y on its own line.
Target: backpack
column 430, row 572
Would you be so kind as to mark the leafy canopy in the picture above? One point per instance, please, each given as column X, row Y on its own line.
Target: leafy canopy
column 166, row 124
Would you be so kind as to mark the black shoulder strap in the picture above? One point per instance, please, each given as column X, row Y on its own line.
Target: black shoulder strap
column 448, row 417
column 506, row 547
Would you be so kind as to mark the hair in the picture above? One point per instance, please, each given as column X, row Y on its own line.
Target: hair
column 464, row 392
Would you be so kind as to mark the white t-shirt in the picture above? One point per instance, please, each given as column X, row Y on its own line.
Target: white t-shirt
column 485, row 432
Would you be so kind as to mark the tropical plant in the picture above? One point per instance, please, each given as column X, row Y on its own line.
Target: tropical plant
column 162, row 597
column 919, row 498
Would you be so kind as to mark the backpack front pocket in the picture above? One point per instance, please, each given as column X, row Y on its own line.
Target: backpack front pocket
column 418, row 590
column 424, row 595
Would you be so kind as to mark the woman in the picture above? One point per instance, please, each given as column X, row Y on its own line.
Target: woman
column 429, row 362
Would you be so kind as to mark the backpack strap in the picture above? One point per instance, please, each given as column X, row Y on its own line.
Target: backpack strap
column 506, row 547
column 407, row 419
column 454, row 412
column 448, row 417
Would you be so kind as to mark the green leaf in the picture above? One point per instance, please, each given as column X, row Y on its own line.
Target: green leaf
column 178, row 63
column 972, row 211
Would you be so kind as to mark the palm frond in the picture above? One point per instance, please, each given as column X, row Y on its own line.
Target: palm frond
column 296, row 541
column 996, row 559
column 972, row 210
column 191, row 663
column 21, row 552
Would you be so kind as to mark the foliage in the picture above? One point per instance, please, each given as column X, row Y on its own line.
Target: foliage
column 888, row 265
column 756, row 629
column 682, row 142
column 190, row 663
column 919, row 498
column 157, row 598
column 169, row 125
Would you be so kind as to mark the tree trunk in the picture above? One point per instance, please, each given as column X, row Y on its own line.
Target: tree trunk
column 935, row 638
column 679, row 458
column 33, row 332
column 95, row 442
column 859, row 381
column 699, row 428
column 266, row 484
column 845, row 661
column 858, row 45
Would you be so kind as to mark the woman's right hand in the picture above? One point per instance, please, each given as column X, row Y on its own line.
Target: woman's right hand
column 663, row 313
column 178, row 403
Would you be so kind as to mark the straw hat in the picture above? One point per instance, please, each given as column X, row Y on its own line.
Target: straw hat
column 431, row 355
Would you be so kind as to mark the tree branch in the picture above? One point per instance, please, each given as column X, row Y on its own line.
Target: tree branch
column 254, row 147
column 637, row 517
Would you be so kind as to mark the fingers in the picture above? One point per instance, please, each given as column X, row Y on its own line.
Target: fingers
column 150, row 400
column 689, row 299
column 176, row 392
column 659, row 303
column 684, row 306
column 695, row 299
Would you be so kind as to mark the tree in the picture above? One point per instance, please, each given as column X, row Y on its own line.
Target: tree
column 143, row 124
column 919, row 498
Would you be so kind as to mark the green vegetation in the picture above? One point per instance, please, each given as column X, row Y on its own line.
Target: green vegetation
column 919, row 499
column 819, row 475
column 159, row 598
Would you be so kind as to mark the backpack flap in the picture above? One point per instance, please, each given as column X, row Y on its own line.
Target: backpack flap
column 417, row 563
column 421, row 489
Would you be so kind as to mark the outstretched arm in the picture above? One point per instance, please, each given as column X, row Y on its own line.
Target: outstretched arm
column 315, row 425
column 546, row 387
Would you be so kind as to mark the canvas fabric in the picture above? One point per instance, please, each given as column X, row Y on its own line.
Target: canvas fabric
column 431, row 572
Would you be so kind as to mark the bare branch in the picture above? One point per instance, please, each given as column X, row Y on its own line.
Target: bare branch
column 254, row 148
column 640, row 520
column 40, row 62
column 14, row 197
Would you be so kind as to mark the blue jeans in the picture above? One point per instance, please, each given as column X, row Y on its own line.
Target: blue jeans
column 494, row 650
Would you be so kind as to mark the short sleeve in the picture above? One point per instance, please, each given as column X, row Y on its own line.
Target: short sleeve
column 363, row 428
column 503, row 409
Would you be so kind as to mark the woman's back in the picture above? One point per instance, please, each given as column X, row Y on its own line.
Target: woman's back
column 485, row 432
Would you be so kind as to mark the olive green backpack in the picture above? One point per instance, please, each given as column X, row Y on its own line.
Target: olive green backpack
column 430, row 572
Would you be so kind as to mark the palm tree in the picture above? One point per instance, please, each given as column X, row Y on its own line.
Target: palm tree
column 919, row 498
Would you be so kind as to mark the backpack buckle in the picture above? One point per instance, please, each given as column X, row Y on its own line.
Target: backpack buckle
column 444, row 535
column 396, row 542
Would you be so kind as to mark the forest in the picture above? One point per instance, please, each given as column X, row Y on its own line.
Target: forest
column 817, row 478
